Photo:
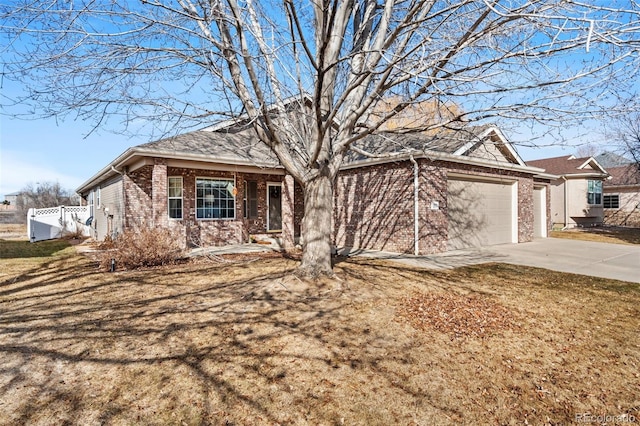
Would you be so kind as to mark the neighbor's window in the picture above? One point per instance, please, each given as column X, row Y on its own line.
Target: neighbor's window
column 175, row 197
column 594, row 192
column 215, row 199
column 250, row 200
column 611, row 201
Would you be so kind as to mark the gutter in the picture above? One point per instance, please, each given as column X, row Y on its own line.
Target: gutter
column 416, row 209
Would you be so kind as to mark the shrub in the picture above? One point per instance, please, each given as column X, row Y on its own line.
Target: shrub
column 142, row 248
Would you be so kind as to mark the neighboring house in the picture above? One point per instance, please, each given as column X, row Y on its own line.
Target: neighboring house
column 609, row 159
column 422, row 194
column 576, row 190
column 10, row 201
column 621, row 197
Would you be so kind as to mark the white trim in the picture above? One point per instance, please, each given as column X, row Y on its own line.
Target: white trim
column 196, row 198
column 515, row 214
column 594, row 161
column 480, row 139
column 169, row 198
column 270, row 184
column 542, row 190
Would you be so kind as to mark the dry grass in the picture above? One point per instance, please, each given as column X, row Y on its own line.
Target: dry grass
column 615, row 235
column 248, row 343
column 13, row 232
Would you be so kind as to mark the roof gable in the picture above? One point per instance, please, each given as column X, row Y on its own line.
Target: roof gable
column 569, row 165
column 491, row 144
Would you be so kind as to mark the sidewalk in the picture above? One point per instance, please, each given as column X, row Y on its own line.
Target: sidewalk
column 613, row 261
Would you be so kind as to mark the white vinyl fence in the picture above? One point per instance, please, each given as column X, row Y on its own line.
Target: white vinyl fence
column 56, row 222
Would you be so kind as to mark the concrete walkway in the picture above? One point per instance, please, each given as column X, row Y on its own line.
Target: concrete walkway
column 615, row 261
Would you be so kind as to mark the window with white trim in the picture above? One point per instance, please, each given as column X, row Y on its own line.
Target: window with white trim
column 594, row 192
column 215, row 199
column 611, row 201
column 174, row 190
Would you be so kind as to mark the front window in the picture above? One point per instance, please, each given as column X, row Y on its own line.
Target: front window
column 611, row 201
column 594, row 192
column 251, row 199
column 175, row 197
column 215, row 199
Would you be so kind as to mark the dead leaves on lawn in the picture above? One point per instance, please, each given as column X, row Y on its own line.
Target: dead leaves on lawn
column 456, row 315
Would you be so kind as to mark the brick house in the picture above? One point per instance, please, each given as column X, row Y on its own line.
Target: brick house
column 419, row 194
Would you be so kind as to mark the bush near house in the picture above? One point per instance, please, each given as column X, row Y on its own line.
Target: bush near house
column 141, row 248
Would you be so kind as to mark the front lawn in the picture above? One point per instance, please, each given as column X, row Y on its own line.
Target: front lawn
column 604, row 234
column 245, row 342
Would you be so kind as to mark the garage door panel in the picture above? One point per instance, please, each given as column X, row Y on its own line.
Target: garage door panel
column 480, row 213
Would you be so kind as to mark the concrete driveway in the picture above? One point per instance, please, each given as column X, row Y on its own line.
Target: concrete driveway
column 615, row 261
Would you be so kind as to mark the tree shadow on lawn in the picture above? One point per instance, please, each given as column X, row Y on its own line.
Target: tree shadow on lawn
column 244, row 343
column 82, row 347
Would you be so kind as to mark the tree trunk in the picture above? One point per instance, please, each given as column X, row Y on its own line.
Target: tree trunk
column 317, row 227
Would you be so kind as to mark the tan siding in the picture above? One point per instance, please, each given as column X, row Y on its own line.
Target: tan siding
column 108, row 216
column 488, row 151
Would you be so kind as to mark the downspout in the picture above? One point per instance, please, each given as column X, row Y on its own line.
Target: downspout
column 566, row 204
column 416, row 210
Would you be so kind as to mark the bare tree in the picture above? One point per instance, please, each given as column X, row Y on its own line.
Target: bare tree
column 587, row 150
column 182, row 63
column 625, row 130
column 43, row 195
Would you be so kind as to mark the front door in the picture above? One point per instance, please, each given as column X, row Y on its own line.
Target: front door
column 274, row 202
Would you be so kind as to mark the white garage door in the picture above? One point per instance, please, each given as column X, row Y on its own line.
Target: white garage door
column 540, row 212
column 481, row 213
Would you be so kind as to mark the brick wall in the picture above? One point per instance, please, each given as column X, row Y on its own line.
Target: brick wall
column 373, row 208
column 137, row 194
column 374, row 205
column 147, row 205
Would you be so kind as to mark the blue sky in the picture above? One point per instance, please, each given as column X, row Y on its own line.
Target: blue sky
column 34, row 151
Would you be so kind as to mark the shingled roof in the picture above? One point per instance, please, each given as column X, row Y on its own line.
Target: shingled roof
column 566, row 165
column 229, row 146
column 447, row 141
column 623, row 175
